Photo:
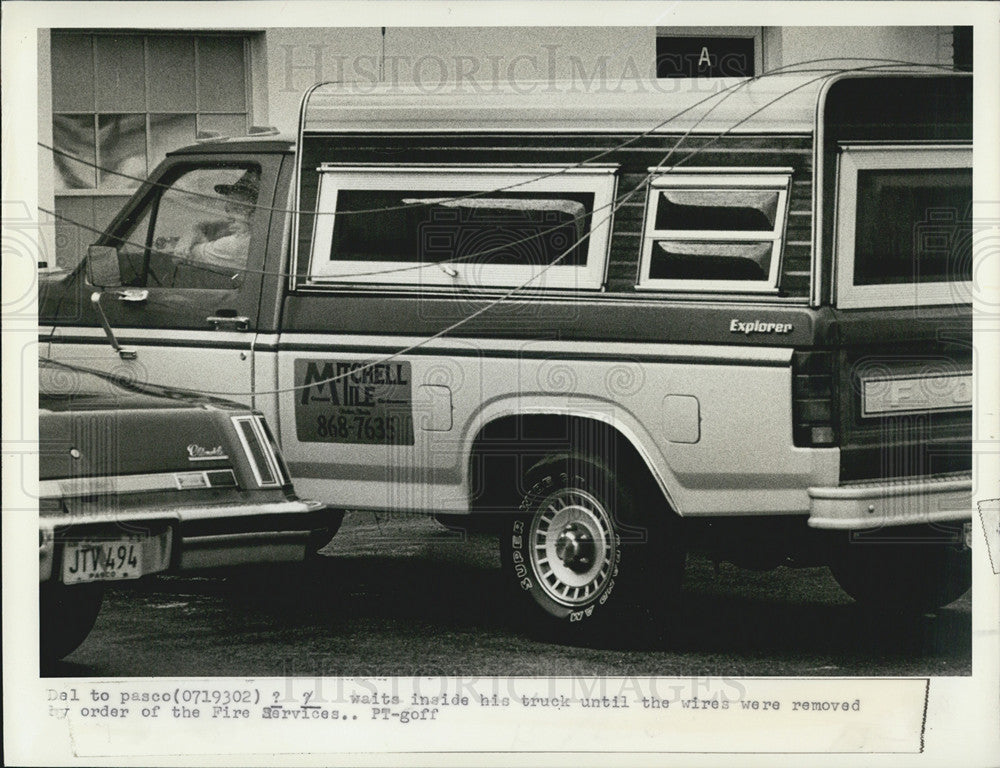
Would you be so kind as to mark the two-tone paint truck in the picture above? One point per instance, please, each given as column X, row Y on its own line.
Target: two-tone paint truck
column 611, row 323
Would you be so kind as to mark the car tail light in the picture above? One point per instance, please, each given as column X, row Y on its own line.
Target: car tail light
column 282, row 467
column 259, row 446
column 813, row 394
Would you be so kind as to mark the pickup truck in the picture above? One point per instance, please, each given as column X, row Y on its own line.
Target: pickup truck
column 609, row 324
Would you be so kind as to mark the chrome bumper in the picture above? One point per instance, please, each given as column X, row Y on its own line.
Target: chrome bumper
column 203, row 537
column 891, row 503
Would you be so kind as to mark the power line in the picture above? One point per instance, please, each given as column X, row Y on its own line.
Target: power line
column 522, row 286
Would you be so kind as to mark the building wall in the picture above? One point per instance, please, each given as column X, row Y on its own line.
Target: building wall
column 433, row 57
column 46, row 167
column 298, row 58
column 918, row 45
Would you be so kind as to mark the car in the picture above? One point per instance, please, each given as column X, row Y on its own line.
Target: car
column 136, row 479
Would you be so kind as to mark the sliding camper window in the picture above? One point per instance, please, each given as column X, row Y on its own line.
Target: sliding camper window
column 468, row 226
column 903, row 225
column 708, row 230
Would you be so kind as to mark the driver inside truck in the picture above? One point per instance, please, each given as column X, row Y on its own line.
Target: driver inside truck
column 224, row 243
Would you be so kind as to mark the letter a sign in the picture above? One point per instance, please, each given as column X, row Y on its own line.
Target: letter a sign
column 700, row 56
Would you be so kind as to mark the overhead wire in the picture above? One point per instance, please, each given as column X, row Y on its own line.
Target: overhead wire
column 410, row 267
column 790, row 69
column 659, row 168
column 191, row 264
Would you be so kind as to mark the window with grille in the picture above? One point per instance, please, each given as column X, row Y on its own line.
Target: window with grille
column 712, row 231
column 121, row 102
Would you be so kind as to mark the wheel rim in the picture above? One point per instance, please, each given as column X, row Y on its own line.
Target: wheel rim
column 572, row 550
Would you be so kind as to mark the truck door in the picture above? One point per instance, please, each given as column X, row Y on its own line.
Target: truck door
column 190, row 250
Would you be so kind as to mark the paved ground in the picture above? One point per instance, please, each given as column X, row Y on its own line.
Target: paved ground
column 408, row 597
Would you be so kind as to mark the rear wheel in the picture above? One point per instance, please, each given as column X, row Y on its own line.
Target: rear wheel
column 66, row 614
column 581, row 553
column 903, row 577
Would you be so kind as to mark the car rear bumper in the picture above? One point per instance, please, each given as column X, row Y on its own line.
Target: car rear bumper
column 882, row 504
column 208, row 536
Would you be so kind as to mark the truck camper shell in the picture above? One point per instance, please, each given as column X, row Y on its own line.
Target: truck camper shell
column 773, row 104
column 792, row 123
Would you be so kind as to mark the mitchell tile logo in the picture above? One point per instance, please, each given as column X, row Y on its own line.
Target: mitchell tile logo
column 201, row 453
column 757, row 326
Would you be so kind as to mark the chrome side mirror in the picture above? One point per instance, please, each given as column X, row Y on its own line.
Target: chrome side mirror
column 103, row 269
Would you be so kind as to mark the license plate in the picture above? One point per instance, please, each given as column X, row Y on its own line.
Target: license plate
column 102, row 560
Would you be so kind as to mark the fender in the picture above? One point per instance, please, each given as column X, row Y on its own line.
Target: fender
column 596, row 409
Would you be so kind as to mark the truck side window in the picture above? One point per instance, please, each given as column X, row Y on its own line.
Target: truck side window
column 714, row 232
column 903, row 225
column 885, row 248
column 463, row 226
column 195, row 233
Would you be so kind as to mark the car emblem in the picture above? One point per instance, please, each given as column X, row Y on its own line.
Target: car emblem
column 201, row 453
column 757, row 326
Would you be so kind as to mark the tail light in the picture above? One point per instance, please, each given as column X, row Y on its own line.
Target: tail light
column 273, row 444
column 260, row 450
column 813, row 397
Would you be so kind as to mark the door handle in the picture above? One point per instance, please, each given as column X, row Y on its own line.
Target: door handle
column 237, row 322
column 133, row 295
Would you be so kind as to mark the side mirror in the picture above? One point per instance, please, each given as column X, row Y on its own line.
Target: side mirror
column 103, row 269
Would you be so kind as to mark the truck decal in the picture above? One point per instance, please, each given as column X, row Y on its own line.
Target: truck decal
column 349, row 401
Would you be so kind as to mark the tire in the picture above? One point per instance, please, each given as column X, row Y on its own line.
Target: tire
column 579, row 552
column 903, row 578
column 66, row 614
column 319, row 538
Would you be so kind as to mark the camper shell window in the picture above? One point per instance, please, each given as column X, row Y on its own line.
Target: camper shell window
column 903, row 226
column 708, row 230
column 465, row 226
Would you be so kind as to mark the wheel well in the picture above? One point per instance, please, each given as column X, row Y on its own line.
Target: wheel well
column 506, row 448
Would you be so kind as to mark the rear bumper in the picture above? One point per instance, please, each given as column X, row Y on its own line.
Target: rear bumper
column 199, row 537
column 891, row 503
